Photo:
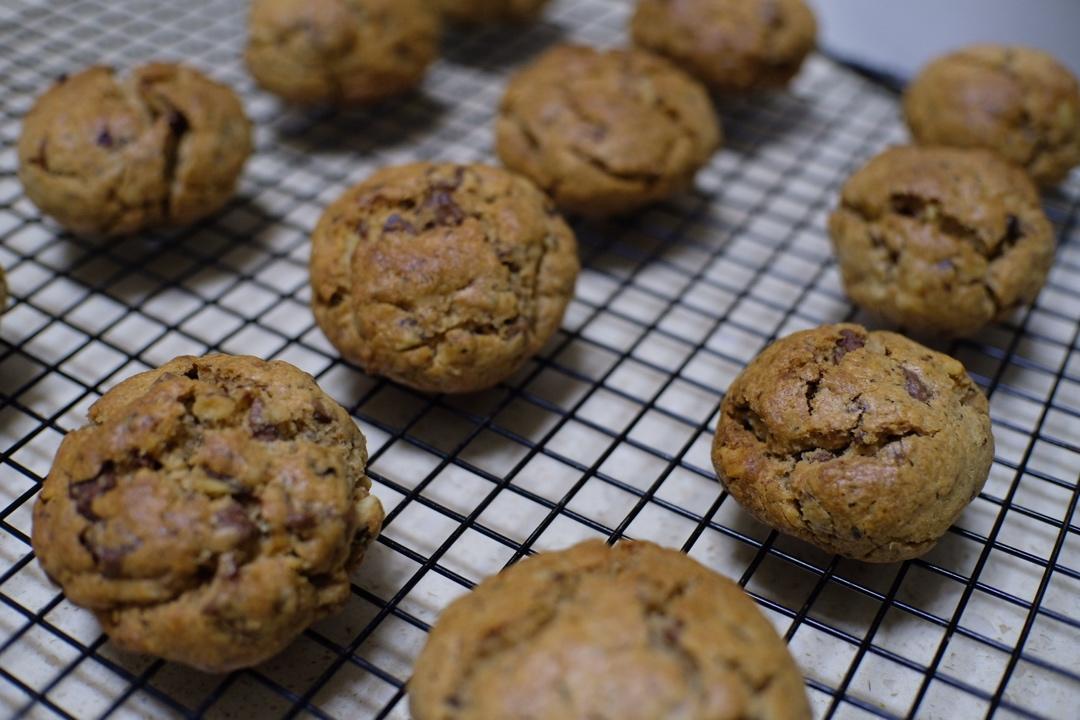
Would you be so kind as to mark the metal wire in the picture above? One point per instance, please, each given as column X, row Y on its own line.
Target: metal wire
column 605, row 434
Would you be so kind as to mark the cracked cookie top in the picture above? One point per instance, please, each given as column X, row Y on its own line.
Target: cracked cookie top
column 105, row 155
column 866, row 444
column 1019, row 102
column 635, row 632
column 491, row 11
column 941, row 240
column 445, row 277
column 211, row 511
column 341, row 51
column 606, row 132
column 733, row 46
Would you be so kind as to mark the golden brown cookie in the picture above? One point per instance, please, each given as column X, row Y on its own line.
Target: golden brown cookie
column 941, row 240
column 1019, row 102
column 211, row 511
column 606, row 132
column 475, row 12
column 446, row 278
column 105, row 155
column 733, row 46
column 341, row 51
column 866, row 444
column 634, row 632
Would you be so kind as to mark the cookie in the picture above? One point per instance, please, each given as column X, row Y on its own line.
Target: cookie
column 606, row 132
column 476, row 12
column 105, row 155
column 866, row 444
column 211, row 511
column 941, row 240
column 1019, row 102
column 636, row 632
column 733, row 46
column 446, row 278
column 341, row 51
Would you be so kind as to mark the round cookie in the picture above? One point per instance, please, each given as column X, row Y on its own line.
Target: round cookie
column 733, row 46
column 1019, row 102
column 211, row 511
column 341, row 51
column 865, row 444
column 475, row 12
column 605, row 132
column 636, row 632
column 941, row 240
column 109, row 156
column 445, row 277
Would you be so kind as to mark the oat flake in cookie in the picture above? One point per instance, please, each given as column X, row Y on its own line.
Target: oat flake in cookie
column 606, row 132
column 109, row 155
column 345, row 52
column 446, row 278
column 941, row 240
column 634, row 632
column 211, row 511
column 1019, row 102
column 866, row 444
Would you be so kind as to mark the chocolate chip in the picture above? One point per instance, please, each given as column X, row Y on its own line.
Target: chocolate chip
column 111, row 560
column 61, row 78
column 849, row 341
column 235, row 521
column 84, row 493
column 322, row 414
column 447, row 212
column 260, row 428
column 300, row 520
column 1012, row 229
column 104, row 138
column 396, row 223
column 178, row 122
column 915, row 387
column 856, row 533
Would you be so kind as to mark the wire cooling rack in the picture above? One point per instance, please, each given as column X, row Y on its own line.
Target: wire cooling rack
column 606, row 434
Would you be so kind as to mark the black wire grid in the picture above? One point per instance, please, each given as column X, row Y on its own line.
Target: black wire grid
column 606, row 434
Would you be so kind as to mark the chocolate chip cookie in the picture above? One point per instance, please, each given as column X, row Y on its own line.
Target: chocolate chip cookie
column 941, row 240
column 475, row 12
column 606, row 132
column 445, row 277
column 211, row 511
column 105, row 155
column 865, row 444
column 733, row 46
column 341, row 51
column 1019, row 102
column 635, row 632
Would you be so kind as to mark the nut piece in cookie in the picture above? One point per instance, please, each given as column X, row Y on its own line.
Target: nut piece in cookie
column 341, row 51
column 606, row 132
column 866, row 444
column 476, row 12
column 733, row 46
column 636, row 632
column 211, row 511
column 1017, row 101
column 105, row 155
column 446, row 278
column 941, row 240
